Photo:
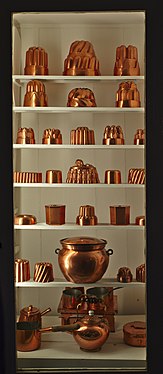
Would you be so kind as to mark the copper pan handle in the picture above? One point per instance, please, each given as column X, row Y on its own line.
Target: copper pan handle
column 45, row 311
column 71, row 327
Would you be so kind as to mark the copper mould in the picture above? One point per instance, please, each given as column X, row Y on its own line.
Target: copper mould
column 55, row 214
column 112, row 176
column 83, row 259
column 53, row 176
column 135, row 333
column 24, row 219
column 81, row 97
column 82, row 173
column 139, row 137
column 126, row 61
column 52, row 136
column 81, row 59
column 124, row 275
column 140, row 273
column 25, row 135
column 119, row 215
column 128, row 95
column 113, row 135
column 27, row 177
column 140, row 220
column 136, row 176
column 35, row 94
column 36, row 62
column 43, row 272
column 82, row 135
column 22, row 270
column 86, row 216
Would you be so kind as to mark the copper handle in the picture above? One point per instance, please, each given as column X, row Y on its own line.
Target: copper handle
column 71, row 327
column 109, row 251
column 45, row 311
column 57, row 250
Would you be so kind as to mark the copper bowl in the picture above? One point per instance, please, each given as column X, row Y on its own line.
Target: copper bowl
column 55, row 214
column 112, row 177
column 119, row 215
column 53, row 176
column 25, row 219
column 22, row 270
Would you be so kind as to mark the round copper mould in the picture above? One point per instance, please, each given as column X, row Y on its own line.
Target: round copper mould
column 36, row 62
column 128, row 95
column 140, row 273
column 27, row 177
column 43, row 272
column 81, row 97
column 22, row 270
column 25, row 135
column 124, row 275
column 82, row 135
column 53, row 176
column 55, row 214
column 82, row 173
column 136, row 176
column 35, row 94
column 113, row 135
column 119, row 215
column 86, row 216
column 135, row 333
column 25, row 219
column 140, row 220
column 112, row 176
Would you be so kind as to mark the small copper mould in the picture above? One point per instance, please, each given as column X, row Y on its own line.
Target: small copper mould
column 52, row 136
column 136, row 176
column 43, row 272
column 81, row 97
column 134, row 333
column 113, row 134
column 27, row 177
column 139, row 137
column 126, row 61
column 128, row 95
column 35, row 94
column 55, row 214
column 25, row 135
column 140, row 220
column 140, row 273
column 124, row 275
column 36, row 62
column 119, row 215
column 86, row 216
column 82, row 135
column 82, row 173
column 53, row 176
column 112, row 176
column 24, row 219
column 22, row 270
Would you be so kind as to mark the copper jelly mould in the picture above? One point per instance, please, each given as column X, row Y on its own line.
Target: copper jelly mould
column 55, row 214
column 86, row 216
column 22, row 270
column 36, row 62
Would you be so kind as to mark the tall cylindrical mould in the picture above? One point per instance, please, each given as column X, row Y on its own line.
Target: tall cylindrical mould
column 86, row 216
column 53, row 176
column 112, row 176
column 36, row 62
column 120, row 215
column 22, row 270
column 55, row 214
column 43, row 272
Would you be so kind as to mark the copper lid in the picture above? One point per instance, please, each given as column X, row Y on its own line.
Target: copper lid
column 83, row 240
column 81, row 97
column 126, row 61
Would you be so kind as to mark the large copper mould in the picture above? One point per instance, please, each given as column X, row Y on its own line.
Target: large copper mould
column 134, row 333
column 120, row 215
column 82, row 173
column 139, row 137
column 140, row 273
column 113, row 134
column 52, row 136
column 43, row 272
column 82, row 135
column 86, row 216
column 53, row 176
column 21, row 270
column 112, row 177
column 25, row 135
column 83, row 259
column 81, row 59
column 55, row 214
column 36, row 62
column 81, row 97
column 25, row 219
column 35, row 94
column 136, row 176
column 124, row 275
column 126, row 61
column 27, row 177
column 128, row 95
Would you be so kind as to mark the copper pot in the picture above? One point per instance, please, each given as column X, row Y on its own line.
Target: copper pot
column 83, row 259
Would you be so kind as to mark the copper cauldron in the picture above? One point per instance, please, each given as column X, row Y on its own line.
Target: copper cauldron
column 83, row 259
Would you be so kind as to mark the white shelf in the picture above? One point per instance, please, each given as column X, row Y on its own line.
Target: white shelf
column 73, row 226
column 80, row 185
column 28, row 109
column 78, row 146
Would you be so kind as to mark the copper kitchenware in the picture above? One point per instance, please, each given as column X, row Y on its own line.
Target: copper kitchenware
column 140, row 220
column 82, row 173
column 136, row 176
column 81, row 59
column 86, row 216
column 112, row 176
column 21, row 270
column 100, row 298
column 24, row 219
column 139, row 137
column 83, row 259
column 81, row 97
column 53, row 176
column 52, row 136
column 124, row 275
column 82, row 135
column 140, row 273
column 128, row 95
column 35, row 94
column 126, row 61
column 120, row 215
column 27, row 177
column 43, row 272
column 36, row 62
column 71, row 297
column 113, row 135
column 25, row 135
column 55, row 214
column 135, row 333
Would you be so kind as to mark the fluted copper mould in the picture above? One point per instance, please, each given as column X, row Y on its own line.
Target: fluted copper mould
column 140, row 273
column 53, row 176
column 126, row 61
column 27, row 177
column 124, row 275
column 25, row 135
column 82, row 135
column 83, row 259
column 55, row 214
column 36, row 62
column 81, row 59
column 120, row 215
column 113, row 134
column 136, row 176
column 82, row 173
column 134, row 333
column 86, row 216
column 112, row 177
column 35, row 94
column 128, row 95
column 43, row 272
column 52, row 136
column 139, row 137
column 140, row 220
column 21, row 270
column 81, row 97
column 24, row 219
